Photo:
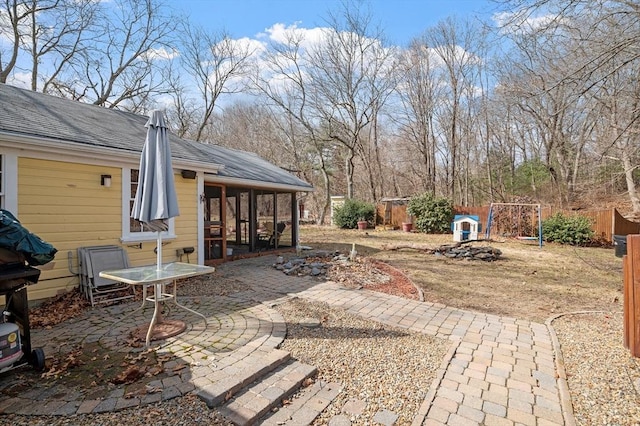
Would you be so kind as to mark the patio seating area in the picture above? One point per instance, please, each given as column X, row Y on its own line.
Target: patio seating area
column 240, row 343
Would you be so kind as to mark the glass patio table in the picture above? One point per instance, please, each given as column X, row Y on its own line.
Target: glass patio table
column 158, row 277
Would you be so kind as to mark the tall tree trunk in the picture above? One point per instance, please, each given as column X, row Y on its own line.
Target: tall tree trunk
column 631, row 185
column 349, row 167
column 327, row 196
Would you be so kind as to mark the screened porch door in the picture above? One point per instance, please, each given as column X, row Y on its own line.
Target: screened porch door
column 214, row 224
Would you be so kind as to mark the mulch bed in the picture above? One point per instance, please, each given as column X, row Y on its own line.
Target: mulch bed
column 398, row 285
column 374, row 275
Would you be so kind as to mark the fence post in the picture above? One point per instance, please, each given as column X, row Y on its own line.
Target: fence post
column 631, row 270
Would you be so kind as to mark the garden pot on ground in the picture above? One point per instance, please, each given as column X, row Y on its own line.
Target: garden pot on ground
column 363, row 224
column 407, row 226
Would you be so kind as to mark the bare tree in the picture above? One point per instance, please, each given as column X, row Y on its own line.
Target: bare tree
column 618, row 127
column 216, row 64
column 575, row 57
column 17, row 23
column 351, row 80
column 284, row 81
column 119, row 69
column 57, row 37
column 418, row 94
column 454, row 45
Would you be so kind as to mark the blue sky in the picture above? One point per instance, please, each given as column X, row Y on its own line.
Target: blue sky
column 401, row 19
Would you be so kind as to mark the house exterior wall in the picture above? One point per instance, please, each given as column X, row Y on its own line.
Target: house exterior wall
column 64, row 204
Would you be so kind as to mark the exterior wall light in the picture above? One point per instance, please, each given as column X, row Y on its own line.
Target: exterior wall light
column 105, row 180
column 188, row 174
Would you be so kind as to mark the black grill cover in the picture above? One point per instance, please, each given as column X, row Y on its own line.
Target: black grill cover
column 15, row 237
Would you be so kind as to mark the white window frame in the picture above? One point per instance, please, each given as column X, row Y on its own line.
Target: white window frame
column 135, row 237
column 9, row 190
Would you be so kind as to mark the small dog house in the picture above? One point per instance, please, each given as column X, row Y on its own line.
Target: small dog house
column 465, row 227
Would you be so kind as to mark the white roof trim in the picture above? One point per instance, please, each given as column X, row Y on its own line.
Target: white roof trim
column 257, row 184
column 82, row 150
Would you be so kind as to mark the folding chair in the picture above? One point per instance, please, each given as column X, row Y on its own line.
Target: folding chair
column 102, row 258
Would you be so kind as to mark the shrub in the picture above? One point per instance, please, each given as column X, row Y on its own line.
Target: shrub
column 431, row 214
column 348, row 214
column 573, row 230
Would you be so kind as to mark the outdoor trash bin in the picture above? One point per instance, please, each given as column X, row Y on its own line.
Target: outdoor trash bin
column 620, row 242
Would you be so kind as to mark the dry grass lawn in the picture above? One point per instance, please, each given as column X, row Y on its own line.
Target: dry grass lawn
column 528, row 282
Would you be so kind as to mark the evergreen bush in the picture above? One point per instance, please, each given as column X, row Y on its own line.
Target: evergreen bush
column 431, row 214
column 348, row 214
column 573, row 230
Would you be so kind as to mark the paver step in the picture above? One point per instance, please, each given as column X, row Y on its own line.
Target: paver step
column 306, row 407
column 234, row 376
column 258, row 399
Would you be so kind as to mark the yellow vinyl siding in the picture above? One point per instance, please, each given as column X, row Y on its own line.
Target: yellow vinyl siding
column 186, row 225
column 64, row 204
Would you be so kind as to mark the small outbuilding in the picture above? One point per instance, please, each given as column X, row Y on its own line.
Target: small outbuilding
column 465, row 227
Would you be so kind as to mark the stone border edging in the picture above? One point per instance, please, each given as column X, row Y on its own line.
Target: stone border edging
column 421, row 415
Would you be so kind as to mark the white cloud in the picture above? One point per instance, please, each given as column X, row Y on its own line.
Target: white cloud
column 281, row 33
column 162, row 54
column 522, row 21
column 20, row 79
column 256, row 47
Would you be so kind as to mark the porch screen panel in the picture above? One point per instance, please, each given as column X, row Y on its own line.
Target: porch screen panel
column 283, row 214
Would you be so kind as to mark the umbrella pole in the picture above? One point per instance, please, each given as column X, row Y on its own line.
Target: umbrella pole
column 159, row 252
column 158, row 287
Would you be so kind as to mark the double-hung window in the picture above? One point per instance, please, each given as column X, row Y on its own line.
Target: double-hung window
column 135, row 231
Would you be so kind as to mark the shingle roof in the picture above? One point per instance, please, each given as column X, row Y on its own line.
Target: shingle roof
column 24, row 112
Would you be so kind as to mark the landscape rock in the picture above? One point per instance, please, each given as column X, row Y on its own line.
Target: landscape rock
column 315, row 264
column 486, row 253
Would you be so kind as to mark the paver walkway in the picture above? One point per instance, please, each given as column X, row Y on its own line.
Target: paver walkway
column 499, row 371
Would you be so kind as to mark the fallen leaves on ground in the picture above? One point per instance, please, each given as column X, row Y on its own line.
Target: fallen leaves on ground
column 60, row 367
column 128, row 376
column 58, row 309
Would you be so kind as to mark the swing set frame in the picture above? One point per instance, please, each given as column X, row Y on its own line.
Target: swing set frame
column 519, row 237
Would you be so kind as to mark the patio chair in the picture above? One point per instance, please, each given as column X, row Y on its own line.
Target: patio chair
column 274, row 240
column 265, row 231
column 95, row 259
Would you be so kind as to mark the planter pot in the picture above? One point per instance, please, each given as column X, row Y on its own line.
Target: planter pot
column 363, row 224
column 407, row 227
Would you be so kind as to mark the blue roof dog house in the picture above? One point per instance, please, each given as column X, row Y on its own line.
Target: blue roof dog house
column 465, row 227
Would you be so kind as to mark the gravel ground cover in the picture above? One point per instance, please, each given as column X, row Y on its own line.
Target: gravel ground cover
column 603, row 377
column 383, row 367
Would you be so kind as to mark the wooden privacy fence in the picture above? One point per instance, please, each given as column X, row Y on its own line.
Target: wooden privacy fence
column 631, row 268
column 606, row 223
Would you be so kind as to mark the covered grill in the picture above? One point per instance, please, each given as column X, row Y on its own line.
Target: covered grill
column 19, row 249
column 15, row 332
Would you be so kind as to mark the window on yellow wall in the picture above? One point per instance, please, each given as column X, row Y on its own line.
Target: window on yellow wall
column 136, row 229
column 134, row 225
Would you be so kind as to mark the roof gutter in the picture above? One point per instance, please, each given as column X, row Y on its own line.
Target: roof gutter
column 53, row 146
column 257, row 184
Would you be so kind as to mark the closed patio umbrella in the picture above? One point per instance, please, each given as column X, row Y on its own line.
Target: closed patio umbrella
column 156, row 201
